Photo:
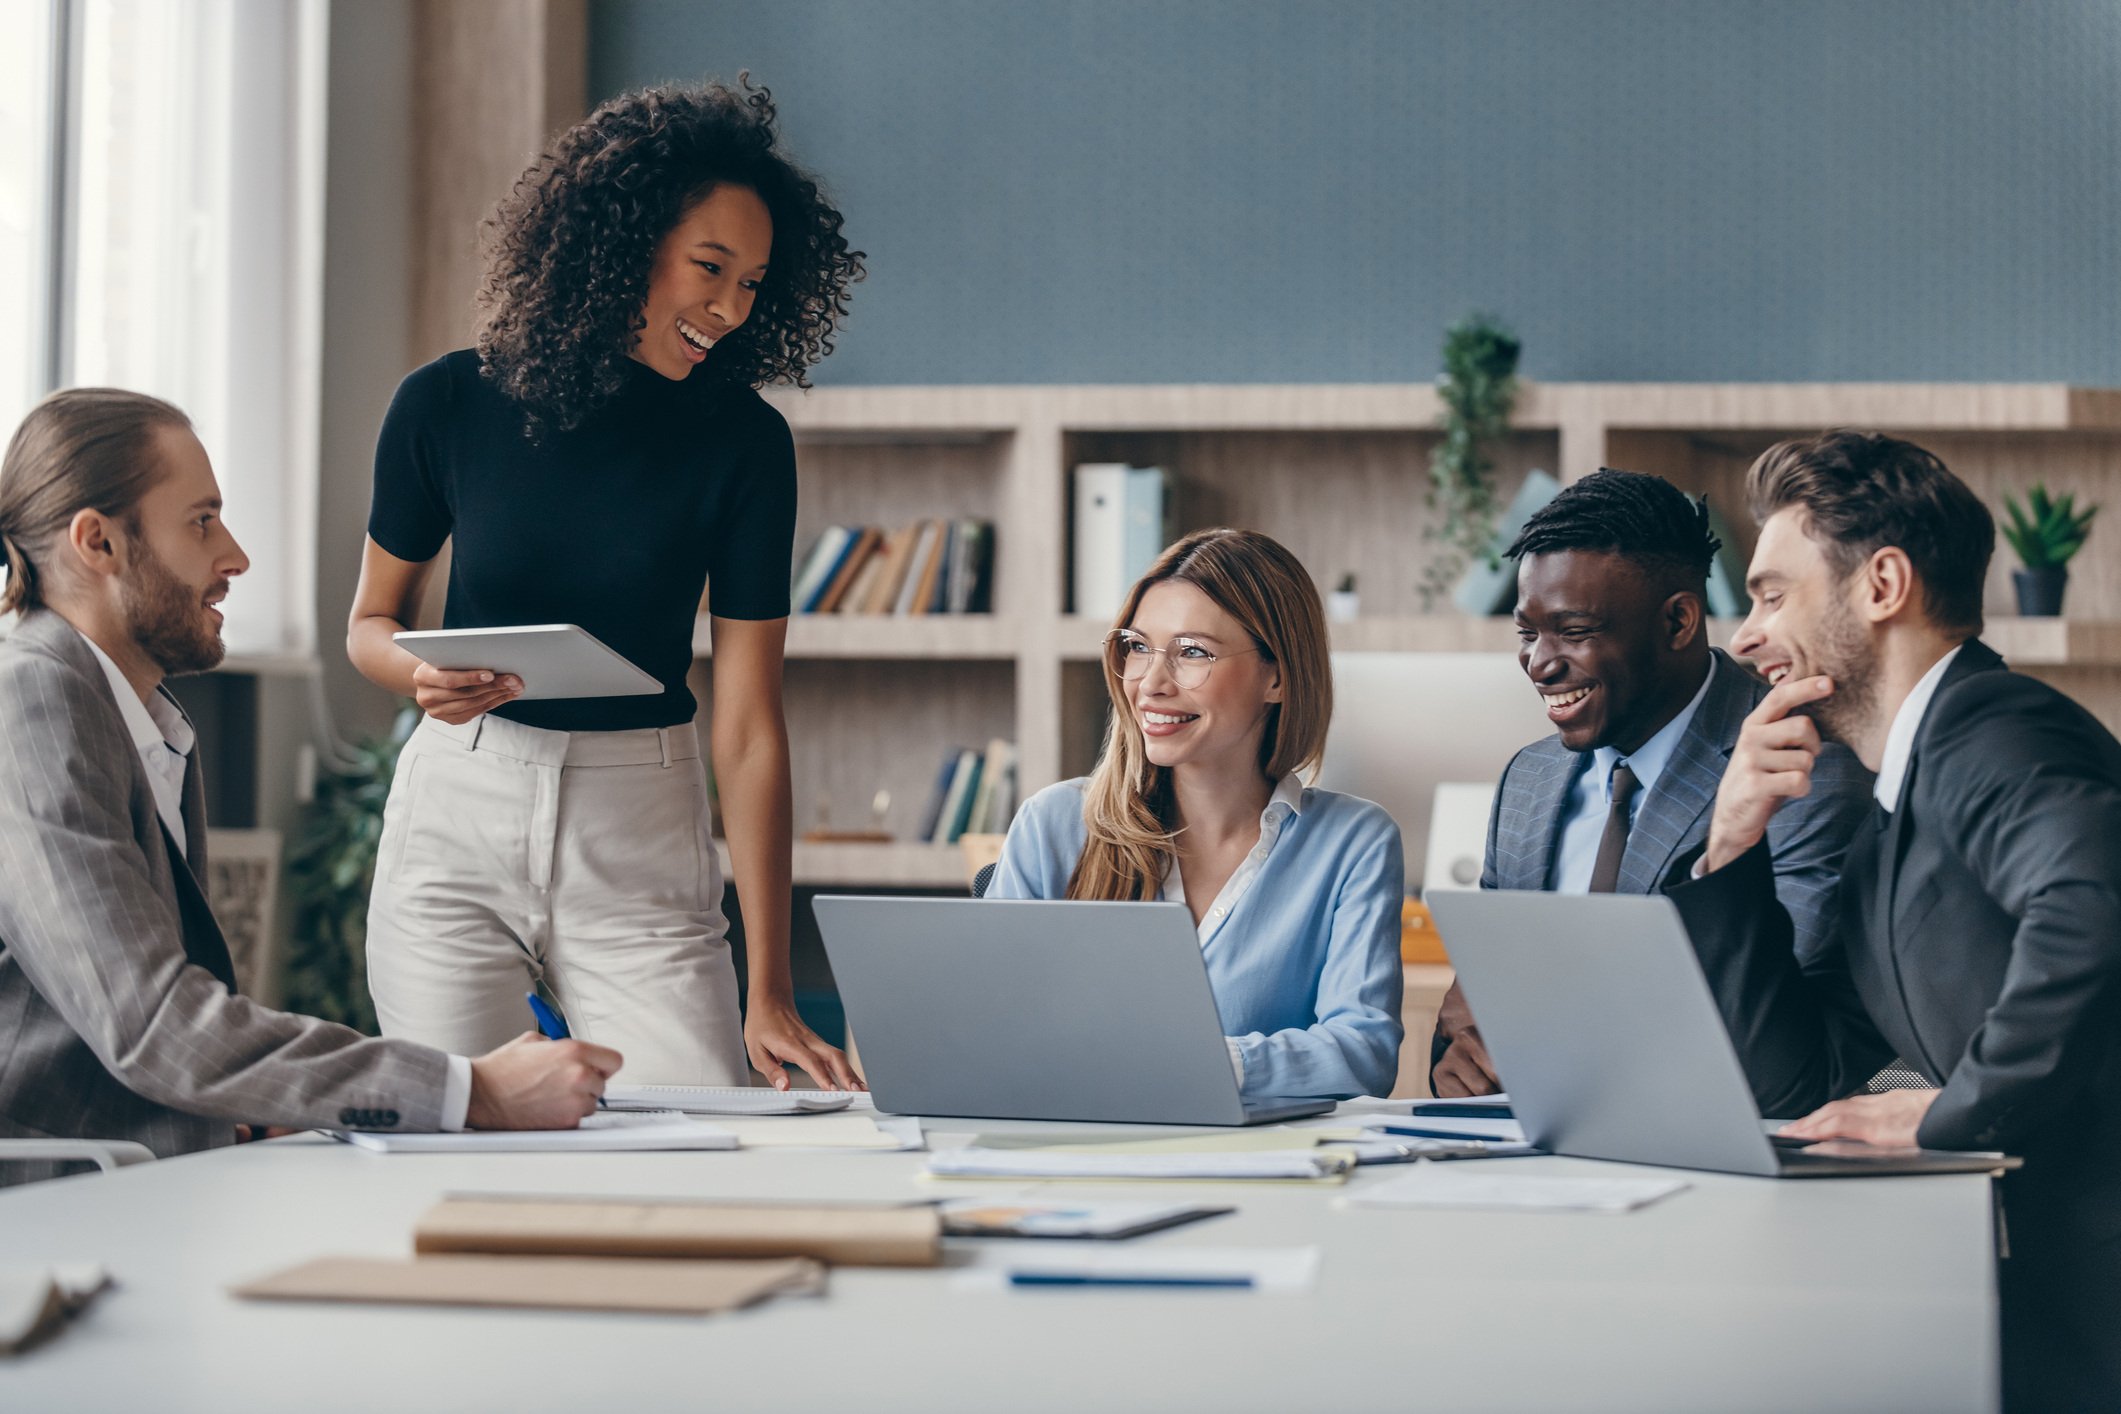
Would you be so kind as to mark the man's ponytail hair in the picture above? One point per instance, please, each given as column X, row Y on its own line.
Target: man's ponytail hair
column 79, row 449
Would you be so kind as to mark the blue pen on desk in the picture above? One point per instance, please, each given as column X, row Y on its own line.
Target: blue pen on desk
column 1087, row 1279
column 549, row 1021
column 1417, row 1132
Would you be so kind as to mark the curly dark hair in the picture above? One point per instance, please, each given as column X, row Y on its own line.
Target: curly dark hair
column 571, row 248
column 1644, row 519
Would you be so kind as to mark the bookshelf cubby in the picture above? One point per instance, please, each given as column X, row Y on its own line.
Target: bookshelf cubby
column 1338, row 473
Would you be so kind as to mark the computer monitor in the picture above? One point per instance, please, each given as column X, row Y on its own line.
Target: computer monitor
column 1405, row 723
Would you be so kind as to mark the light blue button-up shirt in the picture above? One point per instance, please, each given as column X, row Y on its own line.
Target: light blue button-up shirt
column 1304, row 966
column 1576, row 851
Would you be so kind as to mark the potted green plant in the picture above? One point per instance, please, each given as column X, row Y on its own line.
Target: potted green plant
column 2044, row 533
column 329, row 873
column 1478, row 388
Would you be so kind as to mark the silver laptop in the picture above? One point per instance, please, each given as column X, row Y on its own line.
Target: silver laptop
column 1014, row 1009
column 1607, row 1038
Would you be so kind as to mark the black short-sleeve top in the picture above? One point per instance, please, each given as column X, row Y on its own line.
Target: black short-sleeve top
column 617, row 525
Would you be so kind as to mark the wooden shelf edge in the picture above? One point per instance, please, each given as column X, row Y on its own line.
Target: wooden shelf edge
column 878, row 866
column 889, row 412
column 940, row 637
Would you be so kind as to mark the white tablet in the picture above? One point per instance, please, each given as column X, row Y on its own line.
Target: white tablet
column 553, row 660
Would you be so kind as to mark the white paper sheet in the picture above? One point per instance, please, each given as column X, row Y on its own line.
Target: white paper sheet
column 1430, row 1185
column 728, row 1099
column 605, row 1131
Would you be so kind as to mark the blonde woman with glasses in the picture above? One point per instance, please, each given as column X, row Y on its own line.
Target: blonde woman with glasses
column 1221, row 691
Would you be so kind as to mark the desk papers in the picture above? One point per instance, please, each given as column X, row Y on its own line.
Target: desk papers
column 1309, row 1165
column 822, row 1131
column 859, row 1234
column 601, row 1132
column 730, row 1099
column 571, row 1283
column 1432, row 1186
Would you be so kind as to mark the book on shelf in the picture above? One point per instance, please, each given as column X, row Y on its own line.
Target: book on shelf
column 843, row 582
column 1122, row 521
column 975, row 793
column 822, row 565
column 924, row 567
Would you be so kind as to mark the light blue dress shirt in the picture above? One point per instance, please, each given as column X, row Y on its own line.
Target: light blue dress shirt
column 1576, row 851
column 1305, row 963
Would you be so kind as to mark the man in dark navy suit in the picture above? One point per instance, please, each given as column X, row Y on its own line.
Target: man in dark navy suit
column 1611, row 578
column 1979, row 927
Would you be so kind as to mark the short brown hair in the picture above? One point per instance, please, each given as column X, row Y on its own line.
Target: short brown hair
column 1863, row 491
column 79, row 449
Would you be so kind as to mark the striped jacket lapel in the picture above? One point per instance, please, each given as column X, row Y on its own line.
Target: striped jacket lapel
column 1675, row 815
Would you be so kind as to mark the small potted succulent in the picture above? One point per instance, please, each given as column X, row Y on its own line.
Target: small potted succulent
column 2044, row 532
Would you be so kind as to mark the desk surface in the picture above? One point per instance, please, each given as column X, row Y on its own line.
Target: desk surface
column 1740, row 1293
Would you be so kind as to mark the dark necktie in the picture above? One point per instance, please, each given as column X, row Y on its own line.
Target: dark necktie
column 1613, row 844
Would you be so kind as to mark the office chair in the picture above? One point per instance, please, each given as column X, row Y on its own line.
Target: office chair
column 105, row 1154
column 982, row 879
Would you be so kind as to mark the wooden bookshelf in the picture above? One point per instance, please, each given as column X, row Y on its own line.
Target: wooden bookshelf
column 1337, row 472
column 872, row 866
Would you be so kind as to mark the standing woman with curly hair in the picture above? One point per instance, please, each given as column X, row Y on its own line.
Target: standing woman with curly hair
column 601, row 457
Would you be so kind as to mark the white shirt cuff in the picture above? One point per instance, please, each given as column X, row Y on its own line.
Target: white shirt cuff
column 456, row 1094
column 1237, row 1060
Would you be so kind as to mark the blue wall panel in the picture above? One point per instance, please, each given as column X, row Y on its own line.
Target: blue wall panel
column 1232, row 190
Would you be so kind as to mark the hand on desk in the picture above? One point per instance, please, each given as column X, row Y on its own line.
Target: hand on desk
column 1465, row 1068
column 533, row 1083
column 775, row 1036
column 1890, row 1119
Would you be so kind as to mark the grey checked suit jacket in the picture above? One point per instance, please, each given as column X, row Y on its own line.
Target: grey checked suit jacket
column 1808, row 835
column 118, row 1016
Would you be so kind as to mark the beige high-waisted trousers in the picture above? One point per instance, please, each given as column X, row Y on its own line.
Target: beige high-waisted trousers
column 512, row 855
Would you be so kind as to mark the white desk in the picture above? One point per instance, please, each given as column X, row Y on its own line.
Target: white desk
column 1871, row 1295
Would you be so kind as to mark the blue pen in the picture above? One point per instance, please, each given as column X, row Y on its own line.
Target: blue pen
column 1067, row 1279
column 549, row 1021
column 1416, row 1132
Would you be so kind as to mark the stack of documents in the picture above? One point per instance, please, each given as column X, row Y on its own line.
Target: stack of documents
column 602, row 1132
column 1004, row 1163
column 732, row 1099
column 1429, row 1186
column 1250, row 1154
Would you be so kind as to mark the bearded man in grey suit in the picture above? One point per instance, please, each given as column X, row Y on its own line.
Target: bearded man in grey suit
column 117, row 997
column 1612, row 575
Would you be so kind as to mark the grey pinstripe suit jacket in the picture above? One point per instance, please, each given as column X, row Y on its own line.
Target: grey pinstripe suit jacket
column 118, row 1018
column 1808, row 835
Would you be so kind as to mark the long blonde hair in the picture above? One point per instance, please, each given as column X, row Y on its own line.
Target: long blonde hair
column 1128, row 805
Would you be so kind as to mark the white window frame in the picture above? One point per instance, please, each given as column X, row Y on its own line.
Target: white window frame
column 201, row 227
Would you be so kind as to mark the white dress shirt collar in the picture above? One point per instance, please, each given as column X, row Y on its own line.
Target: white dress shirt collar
column 1286, row 801
column 161, row 736
column 1900, row 737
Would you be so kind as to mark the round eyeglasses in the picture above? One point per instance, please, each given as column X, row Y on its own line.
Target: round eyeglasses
column 1128, row 656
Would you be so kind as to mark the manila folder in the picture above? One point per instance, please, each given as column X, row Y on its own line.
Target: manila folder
column 849, row 1234
column 570, row 1283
